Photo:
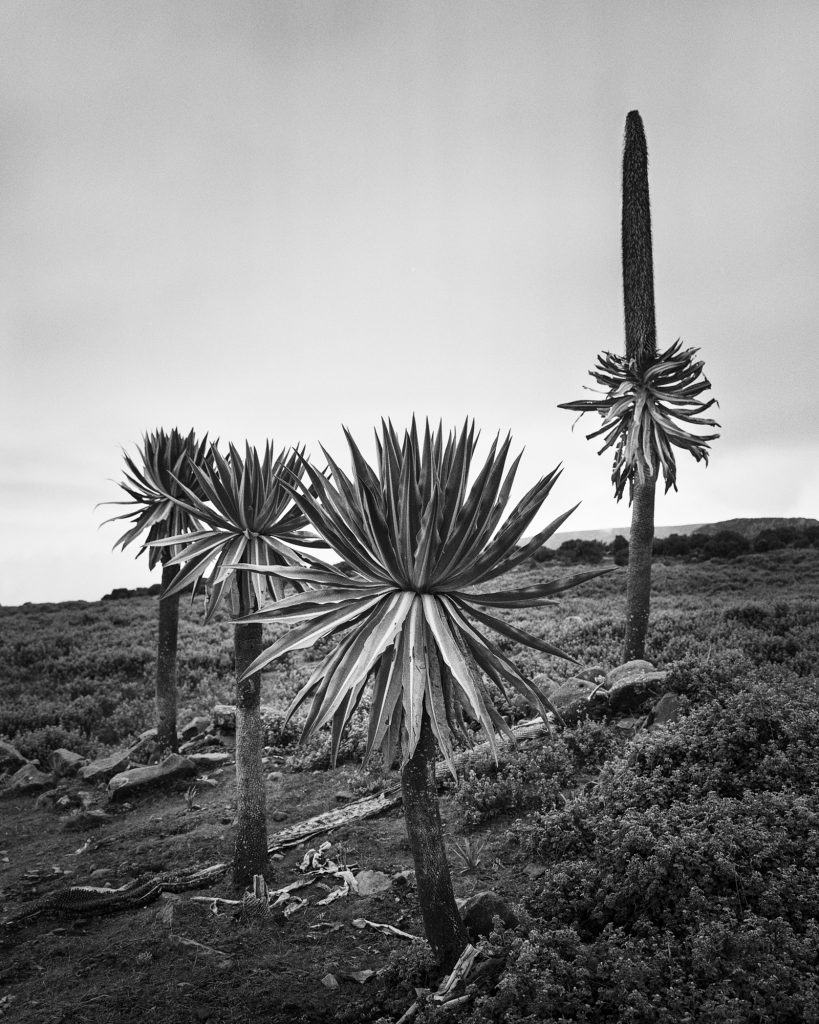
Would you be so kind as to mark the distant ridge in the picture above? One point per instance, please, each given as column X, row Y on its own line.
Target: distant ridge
column 747, row 527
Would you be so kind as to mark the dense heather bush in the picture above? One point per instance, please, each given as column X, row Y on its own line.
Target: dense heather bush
column 533, row 776
column 685, row 887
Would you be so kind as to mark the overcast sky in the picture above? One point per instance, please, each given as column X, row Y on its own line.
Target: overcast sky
column 266, row 219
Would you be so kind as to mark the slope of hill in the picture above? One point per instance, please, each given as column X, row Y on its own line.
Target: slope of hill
column 750, row 528
column 747, row 527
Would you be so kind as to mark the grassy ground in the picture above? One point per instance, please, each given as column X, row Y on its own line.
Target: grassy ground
column 80, row 675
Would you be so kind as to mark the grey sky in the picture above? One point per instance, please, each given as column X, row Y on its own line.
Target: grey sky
column 268, row 219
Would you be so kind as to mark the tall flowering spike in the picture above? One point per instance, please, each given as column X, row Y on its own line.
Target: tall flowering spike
column 650, row 399
column 638, row 261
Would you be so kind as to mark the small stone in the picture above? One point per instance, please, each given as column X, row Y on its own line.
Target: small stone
column 10, row 757
column 67, row 762
column 479, row 910
column 279, row 815
column 101, row 873
column 83, row 820
column 370, row 883
column 534, row 870
column 638, row 667
column 664, row 712
column 105, row 768
column 29, row 779
column 274, row 777
column 595, row 674
column 172, row 768
column 330, row 981
column 632, row 684
column 194, row 727
column 343, row 796
column 211, row 760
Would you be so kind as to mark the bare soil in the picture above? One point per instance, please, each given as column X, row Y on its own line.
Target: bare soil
column 138, row 965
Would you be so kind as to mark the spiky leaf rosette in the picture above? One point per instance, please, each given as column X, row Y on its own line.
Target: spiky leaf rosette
column 646, row 414
column 246, row 515
column 415, row 538
column 155, row 487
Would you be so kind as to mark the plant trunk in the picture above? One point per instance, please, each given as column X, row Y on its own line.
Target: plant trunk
column 250, row 852
column 638, row 586
column 444, row 928
column 166, row 737
column 641, row 347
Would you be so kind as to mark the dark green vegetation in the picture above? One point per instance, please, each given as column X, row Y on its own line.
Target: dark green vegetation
column 681, row 865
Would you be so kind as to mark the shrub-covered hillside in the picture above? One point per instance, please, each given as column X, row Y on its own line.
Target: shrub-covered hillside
column 659, row 877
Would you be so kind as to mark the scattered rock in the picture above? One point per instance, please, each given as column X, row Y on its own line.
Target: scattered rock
column 195, row 727
column 572, row 698
column 82, row 820
column 478, row 911
column 105, row 768
column 370, row 883
column 47, row 800
column 145, row 749
column 629, row 724
column 664, row 712
column 213, row 759
column 534, row 870
column 28, row 779
column 630, row 684
column 594, row 674
column 199, row 744
column 67, row 762
column 638, row 667
column 10, row 757
column 172, row 768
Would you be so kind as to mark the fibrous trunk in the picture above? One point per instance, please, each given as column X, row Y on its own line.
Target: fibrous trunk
column 444, row 928
column 166, row 737
column 250, row 852
column 641, row 347
column 638, row 586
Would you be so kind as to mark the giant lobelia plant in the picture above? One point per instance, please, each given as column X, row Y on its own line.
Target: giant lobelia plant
column 246, row 516
column 417, row 540
column 650, row 399
column 154, row 482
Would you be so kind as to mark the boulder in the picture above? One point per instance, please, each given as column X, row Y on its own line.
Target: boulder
column 105, row 768
column 195, row 727
column 174, row 767
column 664, row 712
column 29, row 779
column 10, row 757
column 67, row 762
column 479, row 910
